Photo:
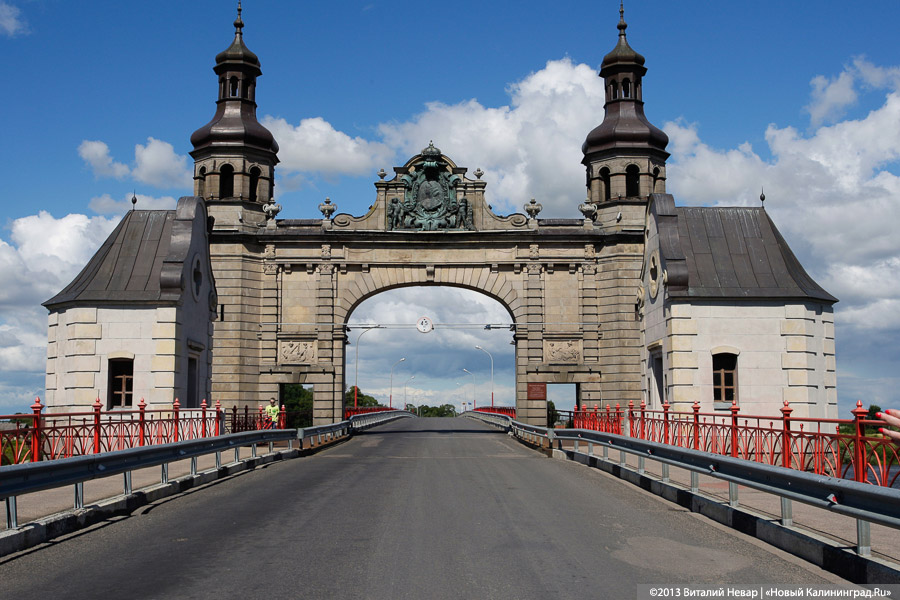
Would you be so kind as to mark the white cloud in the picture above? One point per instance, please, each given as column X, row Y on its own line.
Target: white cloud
column 315, row 146
column 830, row 97
column 155, row 163
column 96, row 154
column 106, row 205
column 158, row 165
column 11, row 21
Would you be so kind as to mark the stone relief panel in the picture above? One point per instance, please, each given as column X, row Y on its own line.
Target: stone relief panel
column 563, row 351
column 296, row 352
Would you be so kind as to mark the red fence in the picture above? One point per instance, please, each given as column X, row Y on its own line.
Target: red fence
column 255, row 420
column 509, row 411
column 48, row 436
column 844, row 448
column 363, row 410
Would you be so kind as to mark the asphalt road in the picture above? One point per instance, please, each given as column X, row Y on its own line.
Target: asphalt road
column 420, row 508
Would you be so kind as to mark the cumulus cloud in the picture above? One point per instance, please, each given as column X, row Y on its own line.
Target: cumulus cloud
column 96, row 154
column 11, row 21
column 107, row 205
column 315, row 146
column 831, row 96
column 155, row 163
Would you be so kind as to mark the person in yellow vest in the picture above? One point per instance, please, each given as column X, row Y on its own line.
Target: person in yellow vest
column 272, row 414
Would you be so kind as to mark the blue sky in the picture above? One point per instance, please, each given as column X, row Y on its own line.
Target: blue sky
column 100, row 100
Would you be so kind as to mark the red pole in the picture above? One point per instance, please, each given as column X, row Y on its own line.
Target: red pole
column 666, row 422
column 203, row 418
column 786, row 435
column 142, row 407
column 97, row 407
column 696, row 408
column 355, row 391
column 643, row 432
column 36, row 409
column 175, row 406
column 860, row 466
column 617, row 428
column 734, row 428
column 281, row 418
column 218, row 416
column 630, row 417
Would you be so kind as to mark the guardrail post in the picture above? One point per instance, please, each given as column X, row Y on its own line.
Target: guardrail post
column 142, row 409
column 664, row 467
column 786, row 435
column 219, row 418
column 12, row 515
column 695, row 482
column 787, row 512
column 863, row 538
column 79, row 495
column 253, row 450
column 193, row 466
column 860, row 466
column 126, row 483
column 203, row 418
column 732, row 494
column 696, row 408
column 97, row 407
column 175, row 407
column 164, row 473
column 36, row 425
column 734, row 428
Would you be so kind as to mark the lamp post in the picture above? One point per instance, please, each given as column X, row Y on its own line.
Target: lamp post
column 404, row 391
column 391, row 397
column 356, row 386
column 473, row 387
column 492, row 372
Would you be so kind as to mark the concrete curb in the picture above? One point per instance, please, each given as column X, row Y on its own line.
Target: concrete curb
column 69, row 521
column 820, row 551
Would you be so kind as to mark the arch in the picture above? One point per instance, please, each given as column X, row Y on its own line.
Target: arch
column 201, row 182
column 226, row 181
column 632, row 181
column 613, row 90
column 626, row 88
column 254, row 183
column 233, row 87
column 604, row 181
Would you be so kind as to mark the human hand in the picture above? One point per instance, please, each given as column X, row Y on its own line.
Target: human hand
column 891, row 416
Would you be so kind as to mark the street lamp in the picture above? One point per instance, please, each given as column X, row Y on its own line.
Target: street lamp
column 391, row 397
column 356, row 386
column 473, row 387
column 404, row 391
column 492, row 372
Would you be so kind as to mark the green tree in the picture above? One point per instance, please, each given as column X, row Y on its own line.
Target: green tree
column 362, row 400
column 444, row 410
column 552, row 414
column 298, row 405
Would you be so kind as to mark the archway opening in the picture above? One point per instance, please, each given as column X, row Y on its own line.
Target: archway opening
column 431, row 346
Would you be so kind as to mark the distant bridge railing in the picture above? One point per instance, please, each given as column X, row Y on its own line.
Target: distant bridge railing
column 865, row 502
column 509, row 411
column 38, row 436
column 19, row 479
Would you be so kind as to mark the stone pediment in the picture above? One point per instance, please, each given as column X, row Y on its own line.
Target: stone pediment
column 430, row 194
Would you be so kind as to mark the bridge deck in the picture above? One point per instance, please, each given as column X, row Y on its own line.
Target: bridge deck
column 420, row 508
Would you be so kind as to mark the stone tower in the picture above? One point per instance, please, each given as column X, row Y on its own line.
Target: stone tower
column 234, row 155
column 625, row 156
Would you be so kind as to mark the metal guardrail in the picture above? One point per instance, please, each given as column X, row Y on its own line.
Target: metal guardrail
column 865, row 502
column 16, row 480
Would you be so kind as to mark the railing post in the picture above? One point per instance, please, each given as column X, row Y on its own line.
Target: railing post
column 218, row 417
column 786, row 411
column 234, row 419
column 860, row 466
column 97, row 407
column 142, row 408
column 666, row 407
column 643, row 407
column 203, row 418
column 282, row 418
column 36, row 425
column 630, row 418
column 175, row 407
column 617, row 427
column 734, row 428
column 696, row 408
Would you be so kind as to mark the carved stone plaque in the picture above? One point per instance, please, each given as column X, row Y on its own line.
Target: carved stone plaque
column 537, row 391
column 562, row 351
column 297, row 353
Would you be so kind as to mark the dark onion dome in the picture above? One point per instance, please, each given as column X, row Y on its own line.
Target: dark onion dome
column 624, row 125
column 235, row 123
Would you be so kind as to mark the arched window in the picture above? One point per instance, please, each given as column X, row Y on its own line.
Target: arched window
column 626, row 88
column 632, row 181
column 201, row 182
column 226, row 181
column 655, row 181
column 233, row 87
column 613, row 90
column 121, row 382
column 254, row 183
column 604, row 181
column 725, row 390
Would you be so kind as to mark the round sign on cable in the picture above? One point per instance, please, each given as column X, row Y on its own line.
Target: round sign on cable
column 424, row 325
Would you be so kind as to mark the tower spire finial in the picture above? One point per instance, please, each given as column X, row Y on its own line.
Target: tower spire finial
column 238, row 23
column 622, row 24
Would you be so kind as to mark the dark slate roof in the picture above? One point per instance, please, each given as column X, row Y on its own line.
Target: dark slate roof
column 739, row 253
column 127, row 266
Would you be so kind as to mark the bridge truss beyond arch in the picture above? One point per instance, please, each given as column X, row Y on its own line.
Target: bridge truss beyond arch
column 288, row 287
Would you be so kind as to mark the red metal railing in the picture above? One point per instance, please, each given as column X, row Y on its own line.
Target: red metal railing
column 845, row 448
column 363, row 410
column 48, row 436
column 509, row 411
column 254, row 420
